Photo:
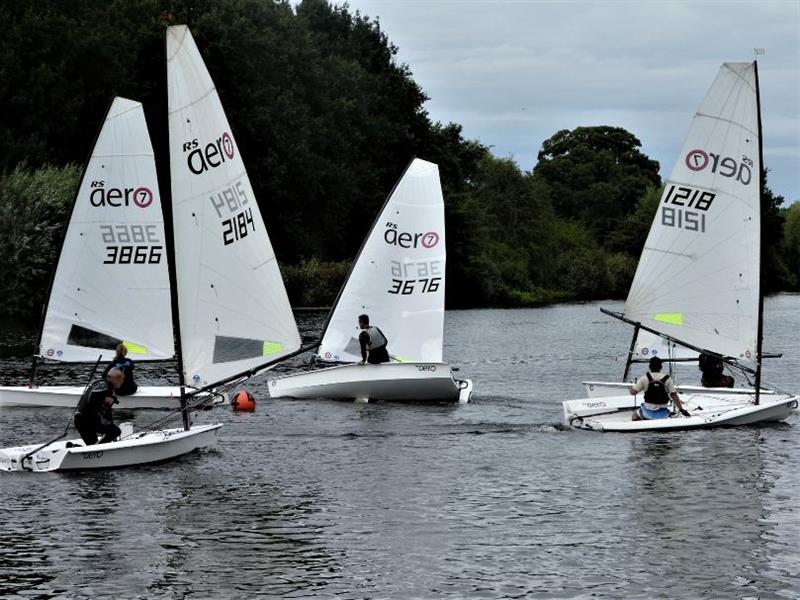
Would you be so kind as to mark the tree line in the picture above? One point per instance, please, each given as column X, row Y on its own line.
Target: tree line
column 326, row 119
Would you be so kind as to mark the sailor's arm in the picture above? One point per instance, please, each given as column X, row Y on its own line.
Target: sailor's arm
column 678, row 404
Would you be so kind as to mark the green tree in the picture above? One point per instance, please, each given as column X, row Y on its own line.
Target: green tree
column 774, row 273
column 791, row 245
column 596, row 175
column 34, row 207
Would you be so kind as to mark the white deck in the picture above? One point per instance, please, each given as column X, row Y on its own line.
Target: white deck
column 67, row 396
column 388, row 381
column 707, row 409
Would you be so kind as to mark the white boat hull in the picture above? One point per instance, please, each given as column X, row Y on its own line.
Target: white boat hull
column 389, row 381
column 604, row 389
column 136, row 449
column 66, row 396
column 708, row 409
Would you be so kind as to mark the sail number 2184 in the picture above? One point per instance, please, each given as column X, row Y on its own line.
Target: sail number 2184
column 685, row 208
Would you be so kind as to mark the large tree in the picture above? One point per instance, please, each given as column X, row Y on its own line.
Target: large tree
column 596, row 175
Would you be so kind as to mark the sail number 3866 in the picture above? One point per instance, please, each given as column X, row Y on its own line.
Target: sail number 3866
column 132, row 244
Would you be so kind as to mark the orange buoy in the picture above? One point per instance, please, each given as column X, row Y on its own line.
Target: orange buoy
column 243, row 401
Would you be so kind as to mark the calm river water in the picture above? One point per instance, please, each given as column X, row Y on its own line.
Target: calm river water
column 490, row 500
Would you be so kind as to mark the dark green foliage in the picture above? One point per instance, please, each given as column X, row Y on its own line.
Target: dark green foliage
column 790, row 246
column 326, row 120
column 34, row 208
column 595, row 175
column 315, row 283
column 774, row 272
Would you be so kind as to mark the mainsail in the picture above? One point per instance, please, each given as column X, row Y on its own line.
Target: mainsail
column 698, row 277
column 112, row 283
column 399, row 276
column 233, row 309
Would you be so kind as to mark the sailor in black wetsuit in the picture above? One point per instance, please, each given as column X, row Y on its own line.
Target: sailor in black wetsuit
column 93, row 414
column 373, row 343
column 124, row 364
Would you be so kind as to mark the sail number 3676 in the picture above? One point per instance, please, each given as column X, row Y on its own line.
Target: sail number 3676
column 685, row 208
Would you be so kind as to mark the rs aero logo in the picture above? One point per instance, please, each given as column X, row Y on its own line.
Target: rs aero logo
column 727, row 166
column 201, row 158
column 409, row 240
column 100, row 195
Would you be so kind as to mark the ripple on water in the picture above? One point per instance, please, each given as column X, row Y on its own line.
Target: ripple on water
column 490, row 500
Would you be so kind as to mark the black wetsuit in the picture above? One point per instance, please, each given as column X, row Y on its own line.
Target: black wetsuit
column 125, row 365
column 92, row 416
column 376, row 355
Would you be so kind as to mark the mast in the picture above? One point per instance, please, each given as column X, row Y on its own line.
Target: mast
column 38, row 349
column 760, row 331
column 169, row 232
column 630, row 354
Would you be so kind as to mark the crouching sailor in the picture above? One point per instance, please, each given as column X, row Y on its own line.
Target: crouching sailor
column 658, row 390
column 93, row 415
column 373, row 343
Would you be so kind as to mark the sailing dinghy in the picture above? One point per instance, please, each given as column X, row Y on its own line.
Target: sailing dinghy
column 232, row 311
column 398, row 279
column 697, row 287
column 111, row 282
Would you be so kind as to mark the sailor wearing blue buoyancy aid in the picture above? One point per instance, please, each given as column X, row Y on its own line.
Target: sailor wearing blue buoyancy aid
column 373, row 343
column 124, row 364
column 658, row 390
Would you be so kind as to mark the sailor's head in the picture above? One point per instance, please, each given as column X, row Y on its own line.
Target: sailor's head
column 363, row 321
column 122, row 350
column 655, row 364
column 115, row 377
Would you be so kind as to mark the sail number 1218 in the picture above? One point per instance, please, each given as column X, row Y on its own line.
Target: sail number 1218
column 685, row 208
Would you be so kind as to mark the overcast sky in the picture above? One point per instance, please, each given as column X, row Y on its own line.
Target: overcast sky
column 515, row 72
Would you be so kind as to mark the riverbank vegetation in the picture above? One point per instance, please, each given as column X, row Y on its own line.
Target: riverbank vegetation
column 326, row 119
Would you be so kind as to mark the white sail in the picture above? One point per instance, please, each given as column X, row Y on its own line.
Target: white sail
column 233, row 309
column 399, row 276
column 698, row 277
column 112, row 282
column 649, row 345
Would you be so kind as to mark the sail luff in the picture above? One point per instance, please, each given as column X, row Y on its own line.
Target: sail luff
column 335, row 304
column 45, row 307
column 398, row 278
column 235, row 313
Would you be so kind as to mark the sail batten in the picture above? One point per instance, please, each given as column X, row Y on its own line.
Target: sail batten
column 111, row 283
column 234, row 311
column 398, row 278
column 702, row 255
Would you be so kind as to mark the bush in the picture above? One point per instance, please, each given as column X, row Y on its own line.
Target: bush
column 314, row 282
column 34, row 209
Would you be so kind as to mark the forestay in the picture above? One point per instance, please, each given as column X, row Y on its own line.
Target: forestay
column 698, row 277
column 399, row 276
column 112, row 283
column 233, row 307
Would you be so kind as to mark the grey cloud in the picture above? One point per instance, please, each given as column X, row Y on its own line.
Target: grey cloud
column 644, row 66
